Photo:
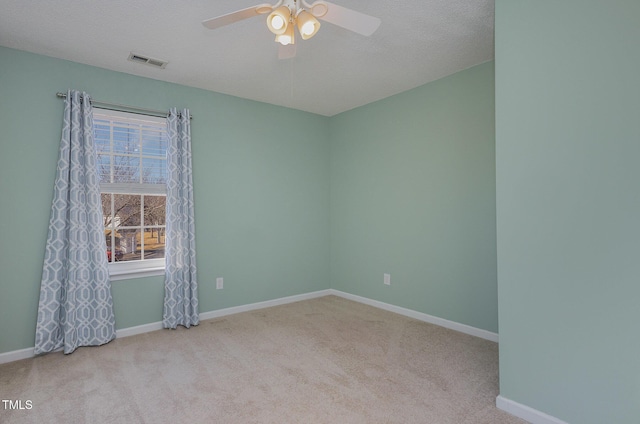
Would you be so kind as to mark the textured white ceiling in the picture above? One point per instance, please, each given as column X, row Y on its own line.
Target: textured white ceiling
column 337, row 70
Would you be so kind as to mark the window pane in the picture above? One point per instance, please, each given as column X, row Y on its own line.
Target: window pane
column 125, row 140
column 126, row 169
column 127, row 210
column 128, row 243
column 102, row 138
column 106, row 209
column 154, row 210
column 114, row 254
column 101, row 125
column 154, row 243
column 108, row 224
column 153, row 142
column 104, row 168
column 155, row 171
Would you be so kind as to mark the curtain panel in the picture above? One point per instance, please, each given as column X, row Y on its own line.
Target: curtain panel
column 181, row 286
column 75, row 307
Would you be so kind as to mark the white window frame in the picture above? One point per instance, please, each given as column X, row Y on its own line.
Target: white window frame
column 140, row 268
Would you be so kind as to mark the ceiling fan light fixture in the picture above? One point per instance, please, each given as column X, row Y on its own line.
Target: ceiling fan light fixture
column 278, row 20
column 308, row 25
column 286, row 38
column 284, row 15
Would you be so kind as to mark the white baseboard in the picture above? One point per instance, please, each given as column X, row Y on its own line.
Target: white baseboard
column 525, row 412
column 17, row 355
column 265, row 304
column 138, row 329
column 452, row 325
column 145, row 328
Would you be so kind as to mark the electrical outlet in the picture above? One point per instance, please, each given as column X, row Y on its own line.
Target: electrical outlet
column 219, row 283
column 387, row 279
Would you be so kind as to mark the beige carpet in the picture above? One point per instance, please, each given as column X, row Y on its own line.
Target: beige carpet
column 326, row 360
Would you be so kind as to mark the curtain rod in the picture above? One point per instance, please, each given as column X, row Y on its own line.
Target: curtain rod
column 124, row 108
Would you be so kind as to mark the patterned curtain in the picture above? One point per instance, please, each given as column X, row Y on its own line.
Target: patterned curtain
column 181, row 286
column 76, row 308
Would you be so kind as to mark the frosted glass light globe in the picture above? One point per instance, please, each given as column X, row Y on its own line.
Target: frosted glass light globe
column 277, row 22
column 307, row 28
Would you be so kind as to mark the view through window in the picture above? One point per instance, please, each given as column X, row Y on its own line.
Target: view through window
column 131, row 152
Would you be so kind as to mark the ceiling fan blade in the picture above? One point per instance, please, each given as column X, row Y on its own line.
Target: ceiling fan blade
column 286, row 52
column 348, row 19
column 236, row 16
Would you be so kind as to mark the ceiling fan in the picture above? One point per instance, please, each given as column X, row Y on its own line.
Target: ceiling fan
column 286, row 14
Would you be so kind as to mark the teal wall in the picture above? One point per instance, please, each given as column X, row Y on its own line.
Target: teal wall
column 413, row 195
column 261, row 194
column 568, row 207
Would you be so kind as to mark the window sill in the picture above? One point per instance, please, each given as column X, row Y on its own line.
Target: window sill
column 135, row 273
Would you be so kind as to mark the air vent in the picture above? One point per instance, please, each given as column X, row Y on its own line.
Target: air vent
column 156, row 63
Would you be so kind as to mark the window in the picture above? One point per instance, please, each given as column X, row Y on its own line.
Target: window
column 131, row 153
